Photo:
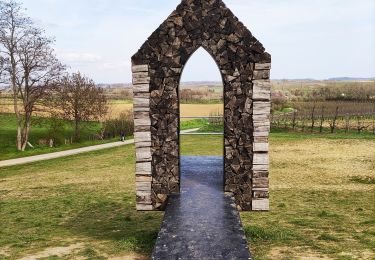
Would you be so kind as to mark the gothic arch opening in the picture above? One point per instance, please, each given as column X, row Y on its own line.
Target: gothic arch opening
column 201, row 101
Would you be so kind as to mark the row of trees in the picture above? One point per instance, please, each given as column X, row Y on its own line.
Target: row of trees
column 38, row 80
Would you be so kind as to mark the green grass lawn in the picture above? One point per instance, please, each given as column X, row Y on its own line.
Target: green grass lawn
column 322, row 203
column 40, row 130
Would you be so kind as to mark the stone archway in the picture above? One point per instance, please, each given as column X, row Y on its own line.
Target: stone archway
column 245, row 69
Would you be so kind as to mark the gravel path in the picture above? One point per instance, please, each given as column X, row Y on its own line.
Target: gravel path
column 55, row 155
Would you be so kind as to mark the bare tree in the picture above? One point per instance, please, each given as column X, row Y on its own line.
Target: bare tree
column 79, row 100
column 31, row 68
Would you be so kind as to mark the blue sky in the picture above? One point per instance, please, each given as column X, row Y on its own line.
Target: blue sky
column 307, row 38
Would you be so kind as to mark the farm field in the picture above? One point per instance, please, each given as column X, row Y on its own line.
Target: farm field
column 322, row 193
column 186, row 109
column 117, row 106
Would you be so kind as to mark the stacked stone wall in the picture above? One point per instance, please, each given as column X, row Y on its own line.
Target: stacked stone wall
column 245, row 69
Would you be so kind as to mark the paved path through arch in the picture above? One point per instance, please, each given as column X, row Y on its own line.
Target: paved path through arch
column 201, row 222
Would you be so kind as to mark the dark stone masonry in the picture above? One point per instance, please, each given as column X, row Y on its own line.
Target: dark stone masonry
column 245, row 69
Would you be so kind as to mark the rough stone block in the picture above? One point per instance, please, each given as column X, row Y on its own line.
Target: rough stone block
column 142, row 178
column 261, row 167
column 261, row 134
column 259, row 194
column 140, row 75
column 143, row 88
column 260, row 147
column 139, row 68
column 262, row 66
column 143, row 168
column 261, row 118
column 143, row 154
column 260, row 182
column 141, row 102
column 142, row 122
column 144, row 198
column 260, row 173
column 259, row 85
column 261, row 74
column 142, row 144
column 143, row 186
column 145, row 95
column 261, row 108
column 261, row 129
column 144, row 207
column 142, row 137
column 260, row 158
column 141, row 81
column 261, row 204
column 261, row 139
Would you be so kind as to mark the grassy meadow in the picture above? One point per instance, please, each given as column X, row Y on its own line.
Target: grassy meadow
column 41, row 130
column 83, row 207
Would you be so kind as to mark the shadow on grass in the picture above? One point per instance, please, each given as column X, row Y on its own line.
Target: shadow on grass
column 119, row 223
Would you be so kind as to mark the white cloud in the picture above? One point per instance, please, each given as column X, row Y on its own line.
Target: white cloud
column 116, row 65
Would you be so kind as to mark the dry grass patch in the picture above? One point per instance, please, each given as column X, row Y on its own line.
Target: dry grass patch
column 316, row 208
column 201, row 110
column 324, row 164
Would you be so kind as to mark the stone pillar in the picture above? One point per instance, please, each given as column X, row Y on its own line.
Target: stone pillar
column 262, row 125
column 142, row 136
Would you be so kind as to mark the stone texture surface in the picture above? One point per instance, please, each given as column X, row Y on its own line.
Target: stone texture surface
column 202, row 222
column 245, row 68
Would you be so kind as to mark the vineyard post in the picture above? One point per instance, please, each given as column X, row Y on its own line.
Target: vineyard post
column 347, row 122
column 359, row 125
column 334, row 119
column 313, row 117
column 294, row 120
column 303, row 123
column 321, row 120
column 285, row 117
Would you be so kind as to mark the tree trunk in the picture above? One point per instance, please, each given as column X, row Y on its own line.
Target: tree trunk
column 15, row 102
column 77, row 131
column 25, row 132
column 19, row 135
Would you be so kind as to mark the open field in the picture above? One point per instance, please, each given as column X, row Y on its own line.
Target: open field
column 322, row 194
column 186, row 109
column 117, row 106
